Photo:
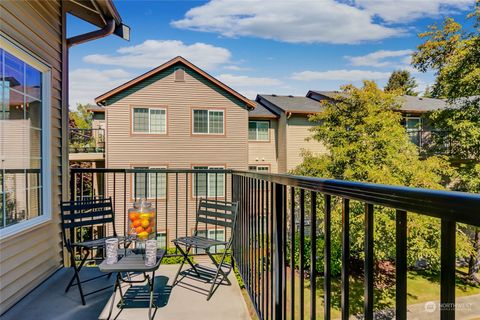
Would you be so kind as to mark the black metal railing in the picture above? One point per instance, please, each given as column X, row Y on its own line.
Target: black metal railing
column 173, row 193
column 272, row 218
column 87, row 140
column 280, row 219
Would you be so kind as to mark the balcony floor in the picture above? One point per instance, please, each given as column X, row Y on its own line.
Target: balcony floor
column 49, row 301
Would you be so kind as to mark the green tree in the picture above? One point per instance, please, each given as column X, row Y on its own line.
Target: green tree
column 367, row 143
column 81, row 118
column 454, row 55
column 402, row 82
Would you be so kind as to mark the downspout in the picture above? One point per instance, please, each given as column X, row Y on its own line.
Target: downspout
column 89, row 36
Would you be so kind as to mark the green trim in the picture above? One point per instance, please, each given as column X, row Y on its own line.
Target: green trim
column 162, row 74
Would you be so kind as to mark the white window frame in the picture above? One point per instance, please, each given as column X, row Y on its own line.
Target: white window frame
column 256, row 131
column 259, row 165
column 207, row 186
column 208, row 121
column 164, row 234
column 149, row 119
column 420, row 121
column 46, row 210
column 134, row 196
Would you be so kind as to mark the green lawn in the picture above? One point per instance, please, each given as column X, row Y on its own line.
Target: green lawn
column 421, row 288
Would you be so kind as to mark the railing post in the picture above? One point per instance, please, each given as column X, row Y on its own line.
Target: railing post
column 278, row 249
column 447, row 270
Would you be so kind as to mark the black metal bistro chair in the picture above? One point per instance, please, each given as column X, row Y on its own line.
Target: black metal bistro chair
column 81, row 214
column 219, row 214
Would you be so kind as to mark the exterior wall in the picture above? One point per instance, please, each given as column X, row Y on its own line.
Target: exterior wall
column 265, row 152
column 298, row 131
column 282, row 143
column 30, row 256
column 176, row 149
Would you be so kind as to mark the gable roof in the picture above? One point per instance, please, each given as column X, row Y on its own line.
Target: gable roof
column 101, row 99
column 261, row 111
column 407, row 103
column 293, row 104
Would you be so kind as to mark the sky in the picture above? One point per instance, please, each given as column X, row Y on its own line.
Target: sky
column 261, row 46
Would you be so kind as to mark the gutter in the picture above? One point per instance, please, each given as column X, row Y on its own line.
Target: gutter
column 89, row 36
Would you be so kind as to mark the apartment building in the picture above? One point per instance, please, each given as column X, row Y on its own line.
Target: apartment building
column 174, row 116
column 279, row 131
column 413, row 109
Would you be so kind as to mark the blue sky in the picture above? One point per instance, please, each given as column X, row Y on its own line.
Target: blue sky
column 261, row 46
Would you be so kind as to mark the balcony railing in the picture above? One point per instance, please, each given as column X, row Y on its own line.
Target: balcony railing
column 279, row 213
column 87, row 140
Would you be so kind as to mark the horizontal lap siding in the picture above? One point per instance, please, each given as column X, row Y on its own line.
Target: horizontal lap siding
column 298, row 130
column 27, row 258
column 178, row 149
column 265, row 153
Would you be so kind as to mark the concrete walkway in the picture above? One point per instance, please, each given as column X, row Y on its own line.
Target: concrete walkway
column 467, row 308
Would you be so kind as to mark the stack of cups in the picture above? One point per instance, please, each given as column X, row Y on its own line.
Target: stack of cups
column 151, row 253
column 112, row 250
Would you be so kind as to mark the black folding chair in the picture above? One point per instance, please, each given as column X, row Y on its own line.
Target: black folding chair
column 219, row 214
column 86, row 213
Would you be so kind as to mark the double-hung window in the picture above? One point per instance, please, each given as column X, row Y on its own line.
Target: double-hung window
column 149, row 120
column 149, row 185
column 413, row 125
column 208, row 121
column 209, row 185
column 25, row 93
column 258, row 130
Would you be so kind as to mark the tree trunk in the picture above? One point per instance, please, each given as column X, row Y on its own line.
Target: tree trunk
column 474, row 264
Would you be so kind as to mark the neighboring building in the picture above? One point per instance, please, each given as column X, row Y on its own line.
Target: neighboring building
column 34, row 117
column 414, row 110
column 290, row 132
column 175, row 116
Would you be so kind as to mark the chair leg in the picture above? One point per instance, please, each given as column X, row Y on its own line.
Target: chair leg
column 76, row 276
column 218, row 273
column 185, row 258
column 74, row 265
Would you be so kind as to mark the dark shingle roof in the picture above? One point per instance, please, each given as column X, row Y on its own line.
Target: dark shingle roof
column 421, row 104
column 261, row 111
column 294, row 104
column 408, row 103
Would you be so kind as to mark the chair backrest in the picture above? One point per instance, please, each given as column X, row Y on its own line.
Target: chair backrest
column 83, row 213
column 217, row 213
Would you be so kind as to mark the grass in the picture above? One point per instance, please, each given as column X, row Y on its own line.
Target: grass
column 421, row 286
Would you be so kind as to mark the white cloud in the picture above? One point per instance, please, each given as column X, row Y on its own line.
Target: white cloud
column 403, row 11
column 87, row 84
column 235, row 68
column 342, row 75
column 295, row 21
column 152, row 53
column 381, row 58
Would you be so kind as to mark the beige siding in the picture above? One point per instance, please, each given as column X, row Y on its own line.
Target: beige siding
column 29, row 257
column 298, row 132
column 265, row 153
column 178, row 149
column 282, row 143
